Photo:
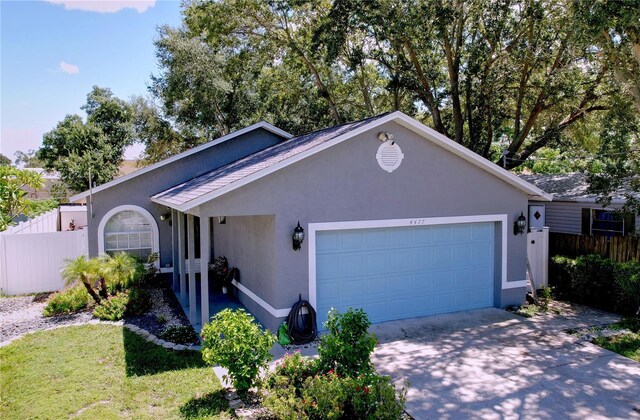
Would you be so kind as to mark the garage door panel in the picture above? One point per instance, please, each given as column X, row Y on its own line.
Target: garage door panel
column 395, row 273
column 461, row 233
column 329, row 266
column 462, row 255
column 374, row 286
column 398, row 260
column 352, row 240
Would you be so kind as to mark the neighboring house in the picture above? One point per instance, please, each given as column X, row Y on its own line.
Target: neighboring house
column 575, row 210
column 49, row 178
column 411, row 226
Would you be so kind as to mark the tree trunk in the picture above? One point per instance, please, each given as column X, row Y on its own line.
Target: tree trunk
column 103, row 288
column 91, row 292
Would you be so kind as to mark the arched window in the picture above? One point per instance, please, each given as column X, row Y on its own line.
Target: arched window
column 129, row 229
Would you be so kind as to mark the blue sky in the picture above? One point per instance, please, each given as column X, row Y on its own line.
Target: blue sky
column 53, row 52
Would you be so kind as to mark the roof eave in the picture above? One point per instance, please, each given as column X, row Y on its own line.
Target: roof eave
column 402, row 119
column 262, row 124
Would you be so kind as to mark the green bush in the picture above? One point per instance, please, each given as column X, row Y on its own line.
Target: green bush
column 341, row 383
column 139, row 302
column 112, row 308
column 560, row 273
column 627, row 291
column 234, row 341
column 348, row 345
column 180, row 334
column 593, row 279
column 331, row 396
column 71, row 300
column 598, row 282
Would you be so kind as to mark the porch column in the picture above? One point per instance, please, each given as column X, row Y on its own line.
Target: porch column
column 191, row 250
column 175, row 248
column 205, row 252
column 181, row 257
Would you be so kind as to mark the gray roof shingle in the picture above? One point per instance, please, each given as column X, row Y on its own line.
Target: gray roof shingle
column 568, row 187
column 235, row 171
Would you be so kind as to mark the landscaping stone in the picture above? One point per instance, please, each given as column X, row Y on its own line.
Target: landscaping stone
column 23, row 314
column 235, row 404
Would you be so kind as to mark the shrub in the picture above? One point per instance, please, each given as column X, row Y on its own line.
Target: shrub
column 347, row 346
column 560, row 272
column 139, row 302
column 599, row 282
column 235, row 342
column 627, row 288
column 73, row 299
column 330, row 395
column 180, row 334
column 112, row 308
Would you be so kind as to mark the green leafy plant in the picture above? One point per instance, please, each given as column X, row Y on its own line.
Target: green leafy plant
column 119, row 270
column 348, row 345
column 73, row 299
column 84, row 271
column 330, row 395
column 139, row 302
column 112, row 308
column 180, row 334
column 597, row 281
column 234, row 341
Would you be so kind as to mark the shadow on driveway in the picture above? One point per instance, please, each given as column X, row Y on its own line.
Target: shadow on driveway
column 492, row 364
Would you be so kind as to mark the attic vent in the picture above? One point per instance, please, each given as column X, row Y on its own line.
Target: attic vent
column 389, row 156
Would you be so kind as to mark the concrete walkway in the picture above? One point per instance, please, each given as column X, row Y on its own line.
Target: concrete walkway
column 489, row 363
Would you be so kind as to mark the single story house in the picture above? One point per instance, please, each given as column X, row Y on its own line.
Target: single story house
column 398, row 220
column 575, row 210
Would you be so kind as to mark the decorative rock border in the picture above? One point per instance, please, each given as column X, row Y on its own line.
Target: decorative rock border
column 135, row 329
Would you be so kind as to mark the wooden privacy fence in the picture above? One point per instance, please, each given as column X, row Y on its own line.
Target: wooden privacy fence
column 616, row 248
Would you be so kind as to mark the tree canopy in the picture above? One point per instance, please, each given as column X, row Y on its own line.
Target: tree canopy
column 507, row 76
column 77, row 148
column 13, row 196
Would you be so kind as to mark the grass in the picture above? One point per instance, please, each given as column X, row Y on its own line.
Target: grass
column 101, row 371
column 627, row 345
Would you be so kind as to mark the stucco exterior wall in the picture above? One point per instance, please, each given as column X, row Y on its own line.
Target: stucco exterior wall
column 137, row 191
column 345, row 183
column 247, row 242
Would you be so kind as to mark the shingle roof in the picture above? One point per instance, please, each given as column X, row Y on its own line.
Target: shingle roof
column 235, row 171
column 569, row 187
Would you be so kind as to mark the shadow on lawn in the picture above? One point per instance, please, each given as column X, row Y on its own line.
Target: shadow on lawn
column 205, row 405
column 145, row 358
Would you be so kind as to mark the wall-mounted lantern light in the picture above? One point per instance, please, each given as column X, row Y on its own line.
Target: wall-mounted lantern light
column 222, row 220
column 520, row 224
column 298, row 237
column 165, row 216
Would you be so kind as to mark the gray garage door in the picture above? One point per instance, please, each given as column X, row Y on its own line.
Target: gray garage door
column 404, row 272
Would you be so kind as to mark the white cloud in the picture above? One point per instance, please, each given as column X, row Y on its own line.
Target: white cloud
column 105, row 6
column 69, row 68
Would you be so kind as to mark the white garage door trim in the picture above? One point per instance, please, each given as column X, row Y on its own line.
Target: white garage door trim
column 426, row 221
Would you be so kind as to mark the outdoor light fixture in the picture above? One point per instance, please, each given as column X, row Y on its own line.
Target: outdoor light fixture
column 520, row 224
column 165, row 216
column 222, row 220
column 298, row 237
column 384, row 136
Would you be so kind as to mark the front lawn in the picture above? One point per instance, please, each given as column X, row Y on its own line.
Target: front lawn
column 101, row 371
column 628, row 344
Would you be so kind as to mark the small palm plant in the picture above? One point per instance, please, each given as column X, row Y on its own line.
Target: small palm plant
column 119, row 270
column 86, row 271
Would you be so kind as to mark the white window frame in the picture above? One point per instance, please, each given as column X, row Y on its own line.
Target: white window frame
column 313, row 228
column 155, row 233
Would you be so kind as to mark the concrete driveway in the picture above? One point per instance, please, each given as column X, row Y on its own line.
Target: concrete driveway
column 491, row 364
